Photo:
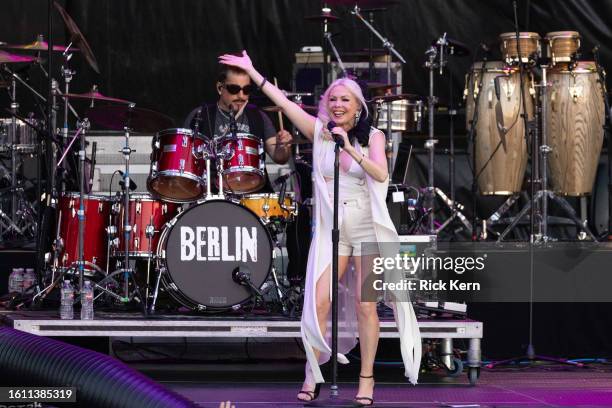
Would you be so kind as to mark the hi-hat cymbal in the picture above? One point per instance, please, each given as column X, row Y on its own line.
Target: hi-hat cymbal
column 39, row 45
column 458, row 48
column 115, row 117
column 78, row 38
column 322, row 17
column 380, row 86
column 8, row 58
column 307, row 108
column 96, row 96
column 363, row 3
column 391, row 98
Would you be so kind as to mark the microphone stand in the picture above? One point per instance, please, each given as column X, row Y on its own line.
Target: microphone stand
column 334, row 400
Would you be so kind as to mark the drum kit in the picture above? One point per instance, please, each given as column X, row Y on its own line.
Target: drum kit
column 207, row 250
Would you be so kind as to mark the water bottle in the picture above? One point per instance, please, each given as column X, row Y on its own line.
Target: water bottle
column 18, row 280
column 67, row 305
column 11, row 281
column 29, row 279
column 87, row 299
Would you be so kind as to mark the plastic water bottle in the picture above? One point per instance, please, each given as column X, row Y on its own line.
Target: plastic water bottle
column 29, row 279
column 67, row 305
column 18, row 280
column 87, row 300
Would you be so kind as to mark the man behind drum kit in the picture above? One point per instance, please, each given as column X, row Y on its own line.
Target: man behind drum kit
column 234, row 87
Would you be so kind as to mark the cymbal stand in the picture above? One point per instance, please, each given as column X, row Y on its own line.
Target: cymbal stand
column 389, row 47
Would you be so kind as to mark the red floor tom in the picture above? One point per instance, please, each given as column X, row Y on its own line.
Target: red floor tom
column 97, row 209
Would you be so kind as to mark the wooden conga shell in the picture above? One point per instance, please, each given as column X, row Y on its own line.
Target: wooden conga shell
column 575, row 120
column 504, row 173
column 529, row 44
column 562, row 45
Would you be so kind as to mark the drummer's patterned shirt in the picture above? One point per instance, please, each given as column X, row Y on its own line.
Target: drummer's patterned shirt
column 222, row 121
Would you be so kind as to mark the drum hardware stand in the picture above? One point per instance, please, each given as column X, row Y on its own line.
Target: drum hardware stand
column 431, row 191
column 608, row 133
column 389, row 47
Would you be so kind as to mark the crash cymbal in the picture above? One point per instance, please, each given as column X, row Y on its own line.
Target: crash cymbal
column 96, row 96
column 115, row 117
column 363, row 3
column 77, row 38
column 391, row 98
column 454, row 47
column 307, row 108
column 8, row 58
column 39, row 45
column 322, row 17
column 380, row 86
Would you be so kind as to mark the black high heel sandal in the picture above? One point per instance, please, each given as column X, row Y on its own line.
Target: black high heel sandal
column 313, row 395
column 357, row 403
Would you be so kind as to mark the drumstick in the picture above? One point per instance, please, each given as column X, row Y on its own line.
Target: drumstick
column 280, row 115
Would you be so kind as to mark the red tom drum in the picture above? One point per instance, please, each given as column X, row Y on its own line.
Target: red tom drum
column 177, row 169
column 244, row 163
column 147, row 217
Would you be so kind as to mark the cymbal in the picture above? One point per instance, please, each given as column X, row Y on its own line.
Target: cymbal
column 391, row 98
column 115, row 117
column 78, row 38
column 96, row 96
column 458, row 48
column 8, row 58
column 322, row 17
column 39, row 45
column 307, row 108
column 363, row 3
column 380, row 86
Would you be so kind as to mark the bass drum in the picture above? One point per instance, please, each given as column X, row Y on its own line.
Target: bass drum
column 209, row 254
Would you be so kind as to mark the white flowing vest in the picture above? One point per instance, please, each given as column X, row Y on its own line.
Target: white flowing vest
column 320, row 257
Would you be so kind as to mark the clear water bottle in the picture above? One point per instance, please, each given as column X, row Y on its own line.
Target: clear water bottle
column 29, row 279
column 67, row 301
column 87, row 300
column 18, row 280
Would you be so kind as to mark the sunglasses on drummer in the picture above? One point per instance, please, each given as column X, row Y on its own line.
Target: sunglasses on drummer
column 235, row 89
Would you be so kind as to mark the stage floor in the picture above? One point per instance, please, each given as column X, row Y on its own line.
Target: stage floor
column 523, row 388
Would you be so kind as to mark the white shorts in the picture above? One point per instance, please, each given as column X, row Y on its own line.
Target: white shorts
column 357, row 228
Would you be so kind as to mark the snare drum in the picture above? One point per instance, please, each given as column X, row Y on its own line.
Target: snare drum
column 575, row 120
column 147, row 218
column 406, row 115
column 177, row 169
column 243, row 164
column 562, row 46
column 500, row 166
column 97, row 212
column 268, row 206
column 529, row 45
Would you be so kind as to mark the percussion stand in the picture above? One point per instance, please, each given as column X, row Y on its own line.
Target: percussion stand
column 431, row 192
column 389, row 47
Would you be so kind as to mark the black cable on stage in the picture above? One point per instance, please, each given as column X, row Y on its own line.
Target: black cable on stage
column 100, row 380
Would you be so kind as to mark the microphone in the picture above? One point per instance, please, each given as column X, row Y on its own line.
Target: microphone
column 496, row 85
column 242, row 276
column 283, row 179
column 133, row 185
column 337, row 138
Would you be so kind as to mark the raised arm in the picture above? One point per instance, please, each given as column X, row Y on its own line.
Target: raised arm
column 302, row 120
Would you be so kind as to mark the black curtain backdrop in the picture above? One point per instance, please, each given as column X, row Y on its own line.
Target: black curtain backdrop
column 162, row 54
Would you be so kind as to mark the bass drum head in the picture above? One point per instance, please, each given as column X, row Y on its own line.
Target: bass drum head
column 206, row 247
